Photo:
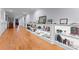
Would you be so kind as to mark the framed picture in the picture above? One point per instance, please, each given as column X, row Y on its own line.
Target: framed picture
column 64, row 21
column 49, row 21
column 42, row 20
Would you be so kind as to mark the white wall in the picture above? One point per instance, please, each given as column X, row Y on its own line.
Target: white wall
column 34, row 16
column 3, row 23
column 24, row 20
column 56, row 13
column 21, row 21
column 28, row 18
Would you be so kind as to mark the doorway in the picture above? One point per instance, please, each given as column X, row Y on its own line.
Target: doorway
column 10, row 23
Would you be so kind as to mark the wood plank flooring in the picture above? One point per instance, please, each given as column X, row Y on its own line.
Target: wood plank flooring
column 24, row 40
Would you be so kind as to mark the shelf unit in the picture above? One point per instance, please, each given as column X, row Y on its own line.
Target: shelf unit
column 67, row 35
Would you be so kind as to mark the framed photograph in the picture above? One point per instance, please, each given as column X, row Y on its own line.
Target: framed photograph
column 64, row 21
column 49, row 21
column 42, row 20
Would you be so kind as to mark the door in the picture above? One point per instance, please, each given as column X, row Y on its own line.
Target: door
column 10, row 22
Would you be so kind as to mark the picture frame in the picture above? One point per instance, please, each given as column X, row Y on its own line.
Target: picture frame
column 64, row 21
column 42, row 20
column 49, row 21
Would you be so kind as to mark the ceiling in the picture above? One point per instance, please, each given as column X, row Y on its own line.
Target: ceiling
column 17, row 12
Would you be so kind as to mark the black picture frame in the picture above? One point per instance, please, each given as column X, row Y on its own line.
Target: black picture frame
column 64, row 21
column 49, row 21
column 42, row 20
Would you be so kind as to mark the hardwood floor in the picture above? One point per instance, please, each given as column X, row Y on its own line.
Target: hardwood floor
column 24, row 40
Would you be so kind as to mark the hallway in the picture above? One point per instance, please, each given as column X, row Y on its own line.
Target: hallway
column 24, row 40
